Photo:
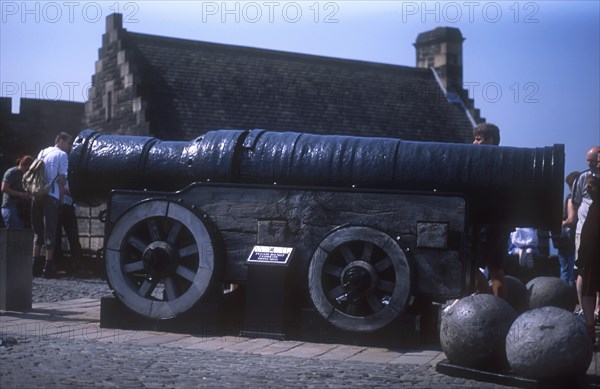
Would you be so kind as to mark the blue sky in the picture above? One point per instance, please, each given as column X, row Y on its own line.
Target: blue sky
column 533, row 67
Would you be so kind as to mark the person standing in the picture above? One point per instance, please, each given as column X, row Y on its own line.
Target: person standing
column 14, row 198
column 565, row 242
column 580, row 203
column 44, row 212
column 588, row 261
column 491, row 241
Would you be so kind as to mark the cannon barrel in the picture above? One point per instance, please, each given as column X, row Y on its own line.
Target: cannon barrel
column 520, row 186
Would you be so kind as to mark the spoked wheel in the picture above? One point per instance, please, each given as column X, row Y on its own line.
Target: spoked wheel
column 359, row 279
column 160, row 259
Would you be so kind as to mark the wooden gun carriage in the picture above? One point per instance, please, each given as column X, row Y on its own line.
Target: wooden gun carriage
column 371, row 222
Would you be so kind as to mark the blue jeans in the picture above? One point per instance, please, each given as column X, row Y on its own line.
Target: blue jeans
column 44, row 220
column 566, row 258
column 11, row 217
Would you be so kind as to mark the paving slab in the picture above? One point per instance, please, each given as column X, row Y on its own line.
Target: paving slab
column 341, row 352
column 308, row 350
column 183, row 342
column 277, row 347
column 215, row 343
column 375, row 355
column 161, row 339
column 250, row 345
column 412, row 359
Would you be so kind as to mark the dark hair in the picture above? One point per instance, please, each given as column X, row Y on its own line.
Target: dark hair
column 571, row 177
column 488, row 131
column 62, row 136
column 25, row 160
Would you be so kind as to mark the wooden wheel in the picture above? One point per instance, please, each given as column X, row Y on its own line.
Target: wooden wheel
column 160, row 259
column 359, row 279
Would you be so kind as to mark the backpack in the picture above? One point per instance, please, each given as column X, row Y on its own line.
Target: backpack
column 34, row 180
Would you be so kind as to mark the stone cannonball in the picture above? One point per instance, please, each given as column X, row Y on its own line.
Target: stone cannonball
column 516, row 294
column 551, row 291
column 548, row 343
column 473, row 332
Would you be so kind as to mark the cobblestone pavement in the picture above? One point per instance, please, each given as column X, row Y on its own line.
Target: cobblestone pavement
column 68, row 288
column 41, row 361
column 63, row 361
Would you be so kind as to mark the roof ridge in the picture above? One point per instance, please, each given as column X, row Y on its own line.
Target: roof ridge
column 276, row 52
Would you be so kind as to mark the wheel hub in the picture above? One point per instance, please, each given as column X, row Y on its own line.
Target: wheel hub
column 359, row 278
column 160, row 259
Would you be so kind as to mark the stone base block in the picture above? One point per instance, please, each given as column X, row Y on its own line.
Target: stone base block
column 15, row 269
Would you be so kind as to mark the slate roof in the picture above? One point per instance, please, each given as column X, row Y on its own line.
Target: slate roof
column 191, row 87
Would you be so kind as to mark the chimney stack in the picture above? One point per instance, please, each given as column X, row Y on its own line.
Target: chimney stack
column 441, row 49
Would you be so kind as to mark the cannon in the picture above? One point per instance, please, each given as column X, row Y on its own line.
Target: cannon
column 372, row 222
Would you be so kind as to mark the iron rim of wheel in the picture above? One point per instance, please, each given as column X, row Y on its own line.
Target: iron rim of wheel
column 160, row 259
column 359, row 279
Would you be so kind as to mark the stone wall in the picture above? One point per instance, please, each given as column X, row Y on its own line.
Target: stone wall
column 35, row 126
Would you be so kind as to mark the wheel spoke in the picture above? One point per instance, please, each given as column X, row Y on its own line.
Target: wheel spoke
column 188, row 250
column 336, row 292
column 186, row 273
column 153, row 229
column 133, row 267
column 386, row 286
column 174, row 233
column 137, row 243
column 170, row 289
column 332, row 270
column 374, row 303
column 147, row 288
column 383, row 264
column 347, row 253
column 367, row 252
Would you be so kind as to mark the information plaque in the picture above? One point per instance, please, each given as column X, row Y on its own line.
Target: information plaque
column 270, row 254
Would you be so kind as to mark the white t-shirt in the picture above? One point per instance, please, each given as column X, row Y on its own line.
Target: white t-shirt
column 581, row 198
column 56, row 163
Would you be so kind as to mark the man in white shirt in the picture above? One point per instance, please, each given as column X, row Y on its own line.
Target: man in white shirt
column 580, row 203
column 44, row 212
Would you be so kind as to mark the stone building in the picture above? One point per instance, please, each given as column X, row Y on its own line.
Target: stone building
column 178, row 89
